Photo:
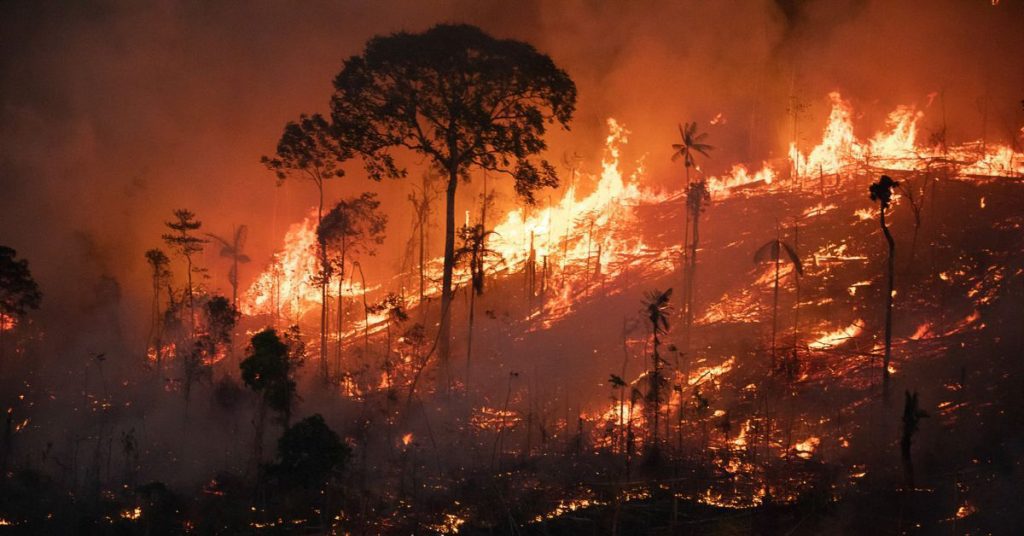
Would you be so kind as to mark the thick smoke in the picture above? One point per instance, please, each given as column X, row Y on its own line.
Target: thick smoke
column 115, row 113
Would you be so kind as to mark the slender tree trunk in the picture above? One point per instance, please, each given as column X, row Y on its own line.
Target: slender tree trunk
column 775, row 303
column 686, row 250
column 323, row 287
column 888, row 307
column 341, row 310
column 690, row 279
column 234, row 278
column 191, row 300
column 656, row 385
column 469, row 338
column 423, row 254
column 444, row 336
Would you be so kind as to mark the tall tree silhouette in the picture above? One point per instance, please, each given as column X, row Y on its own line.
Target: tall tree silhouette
column 183, row 240
column 232, row 249
column 354, row 226
column 464, row 100
column 881, row 192
column 775, row 251
column 657, row 310
column 18, row 291
column 309, row 150
column 161, row 274
column 697, row 196
column 691, row 144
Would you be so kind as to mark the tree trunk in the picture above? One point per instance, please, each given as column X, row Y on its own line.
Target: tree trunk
column 323, row 289
column 775, row 302
column 191, row 301
column 444, row 334
column 686, row 243
column 469, row 338
column 908, row 462
column 341, row 310
column 690, row 279
column 888, row 307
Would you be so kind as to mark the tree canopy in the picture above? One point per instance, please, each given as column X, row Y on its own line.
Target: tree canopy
column 456, row 95
column 18, row 291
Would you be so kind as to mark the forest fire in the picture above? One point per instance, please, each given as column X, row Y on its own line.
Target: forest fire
column 535, row 271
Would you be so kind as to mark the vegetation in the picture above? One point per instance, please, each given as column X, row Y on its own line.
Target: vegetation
column 462, row 99
column 309, row 150
column 182, row 239
column 353, row 227
column 19, row 293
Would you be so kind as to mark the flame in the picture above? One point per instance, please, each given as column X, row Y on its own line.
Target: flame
column 895, row 147
column 595, row 231
column 805, row 449
column 830, row 339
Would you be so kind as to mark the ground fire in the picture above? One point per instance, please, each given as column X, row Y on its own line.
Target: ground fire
column 467, row 268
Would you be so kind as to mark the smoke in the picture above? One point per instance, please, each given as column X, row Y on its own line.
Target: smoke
column 115, row 113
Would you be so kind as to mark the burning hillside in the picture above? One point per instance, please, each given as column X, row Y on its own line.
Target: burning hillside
column 497, row 281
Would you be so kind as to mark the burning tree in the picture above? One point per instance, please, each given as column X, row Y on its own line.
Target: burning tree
column 353, row 226
column 18, row 291
column 309, row 150
column 881, row 191
column 187, row 244
column 461, row 98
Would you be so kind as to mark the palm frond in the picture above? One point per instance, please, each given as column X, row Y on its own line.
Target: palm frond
column 794, row 258
column 767, row 252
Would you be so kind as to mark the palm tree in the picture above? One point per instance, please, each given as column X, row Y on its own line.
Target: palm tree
column 692, row 142
column 232, row 249
column 774, row 251
column 657, row 309
column 692, row 145
column 881, row 192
